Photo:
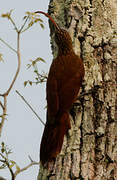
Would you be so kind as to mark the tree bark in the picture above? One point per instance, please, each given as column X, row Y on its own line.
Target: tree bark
column 89, row 150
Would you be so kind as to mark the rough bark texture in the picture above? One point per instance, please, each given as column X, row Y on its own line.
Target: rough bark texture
column 89, row 151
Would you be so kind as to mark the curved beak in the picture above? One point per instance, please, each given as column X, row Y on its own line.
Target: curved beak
column 51, row 19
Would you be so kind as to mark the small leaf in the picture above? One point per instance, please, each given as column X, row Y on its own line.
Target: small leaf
column 35, row 71
column 24, row 17
column 2, row 144
column 3, row 147
column 12, row 163
column 30, row 82
column 5, row 15
column 28, row 66
column 33, row 63
column 40, row 59
column 25, row 83
column 38, row 20
column 28, row 13
column 42, row 26
column 2, row 150
column 31, row 23
column 17, row 168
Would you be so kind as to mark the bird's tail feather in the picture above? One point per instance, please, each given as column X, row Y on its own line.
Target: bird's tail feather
column 53, row 136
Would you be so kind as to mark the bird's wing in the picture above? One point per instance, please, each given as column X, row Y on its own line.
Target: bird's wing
column 69, row 92
column 52, row 96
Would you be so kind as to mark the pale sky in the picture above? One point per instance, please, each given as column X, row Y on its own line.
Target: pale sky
column 22, row 130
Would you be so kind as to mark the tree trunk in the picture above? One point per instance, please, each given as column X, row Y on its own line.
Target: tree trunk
column 89, row 150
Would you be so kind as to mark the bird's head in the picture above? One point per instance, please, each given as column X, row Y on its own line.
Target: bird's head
column 62, row 37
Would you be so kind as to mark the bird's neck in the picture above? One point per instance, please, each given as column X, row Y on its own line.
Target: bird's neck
column 64, row 50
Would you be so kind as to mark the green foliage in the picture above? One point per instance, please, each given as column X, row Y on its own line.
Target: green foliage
column 4, row 158
column 4, row 154
column 32, row 18
column 33, row 62
column 29, row 20
column 7, row 15
column 39, row 77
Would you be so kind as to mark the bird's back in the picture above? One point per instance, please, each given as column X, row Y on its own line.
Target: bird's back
column 68, row 72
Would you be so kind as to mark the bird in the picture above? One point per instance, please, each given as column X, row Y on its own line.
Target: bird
column 63, row 84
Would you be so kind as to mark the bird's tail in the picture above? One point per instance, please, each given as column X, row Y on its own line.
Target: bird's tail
column 53, row 136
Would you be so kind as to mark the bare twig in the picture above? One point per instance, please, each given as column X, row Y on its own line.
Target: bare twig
column 11, row 171
column 1, row 105
column 25, row 168
column 13, row 24
column 30, row 158
column 4, row 107
column 6, row 162
column 24, row 24
column 8, row 45
column 19, row 63
column 25, row 29
column 4, row 113
column 30, row 107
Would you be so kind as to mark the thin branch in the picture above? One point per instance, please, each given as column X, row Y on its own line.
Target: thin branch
column 23, row 24
column 30, row 158
column 19, row 64
column 43, row 76
column 1, row 105
column 12, row 83
column 13, row 24
column 11, row 171
column 26, row 29
column 2, row 157
column 30, row 107
column 4, row 113
column 25, row 168
column 8, row 45
column 5, row 161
